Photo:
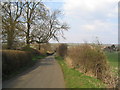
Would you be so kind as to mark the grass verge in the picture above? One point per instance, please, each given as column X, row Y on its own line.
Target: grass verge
column 38, row 57
column 75, row 79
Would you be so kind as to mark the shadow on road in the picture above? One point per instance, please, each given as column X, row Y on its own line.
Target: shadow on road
column 42, row 62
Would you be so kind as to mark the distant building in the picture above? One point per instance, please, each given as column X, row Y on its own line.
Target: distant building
column 111, row 48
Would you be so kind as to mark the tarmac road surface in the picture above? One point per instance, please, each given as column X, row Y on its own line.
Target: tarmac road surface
column 46, row 73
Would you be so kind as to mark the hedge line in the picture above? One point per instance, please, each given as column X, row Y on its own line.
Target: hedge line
column 12, row 60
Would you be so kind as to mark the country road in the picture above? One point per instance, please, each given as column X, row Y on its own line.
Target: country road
column 45, row 74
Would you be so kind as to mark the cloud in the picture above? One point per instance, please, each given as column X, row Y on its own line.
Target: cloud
column 90, row 18
column 88, row 27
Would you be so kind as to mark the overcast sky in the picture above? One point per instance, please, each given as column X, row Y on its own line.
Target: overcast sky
column 88, row 19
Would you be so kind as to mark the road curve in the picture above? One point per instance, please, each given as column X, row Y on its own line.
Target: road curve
column 45, row 74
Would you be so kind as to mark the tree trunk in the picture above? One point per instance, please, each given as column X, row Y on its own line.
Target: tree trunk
column 27, row 36
column 9, row 42
column 10, row 37
column 39, row 46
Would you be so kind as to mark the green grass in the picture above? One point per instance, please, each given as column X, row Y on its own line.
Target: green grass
column 112, row 58
column 75, row 79
column 38, row 57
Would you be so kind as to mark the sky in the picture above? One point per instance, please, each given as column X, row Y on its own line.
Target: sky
column 88, row 20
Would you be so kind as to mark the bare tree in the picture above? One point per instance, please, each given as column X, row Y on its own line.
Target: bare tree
column 31, row 20
column 11, row 12
column 32, row 13
column 49, row 28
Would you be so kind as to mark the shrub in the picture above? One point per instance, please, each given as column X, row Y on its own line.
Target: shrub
column 88, row 59
column 62, row 50
column 46, row 48
column 33, row 51
column 43, row 51
column 12, row 60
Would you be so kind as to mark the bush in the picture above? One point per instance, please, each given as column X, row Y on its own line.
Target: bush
column 43, row 51
column 88, row 59
column 46, row 48
column 33, row 51
column 12, row 60
column 62, row 50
